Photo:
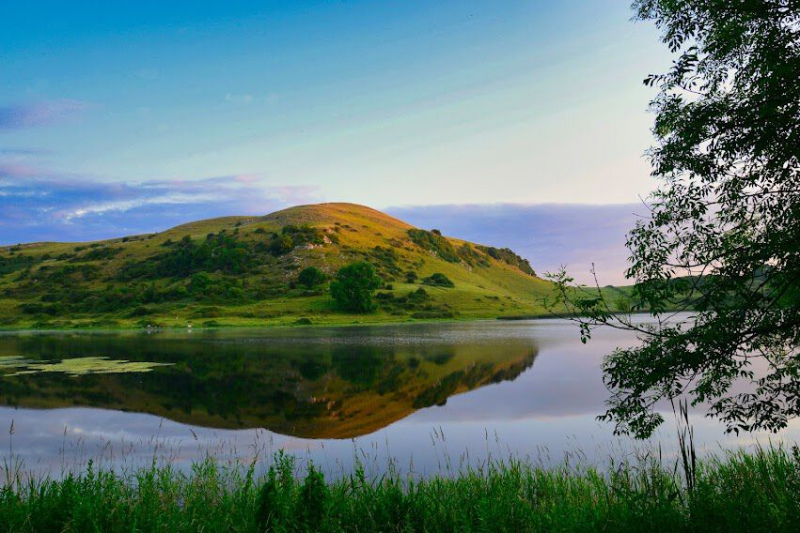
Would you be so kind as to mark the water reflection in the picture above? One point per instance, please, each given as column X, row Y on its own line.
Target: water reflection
column 414, row 394
column 334, row 383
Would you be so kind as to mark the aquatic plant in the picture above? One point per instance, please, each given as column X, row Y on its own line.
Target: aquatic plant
column 78, row 366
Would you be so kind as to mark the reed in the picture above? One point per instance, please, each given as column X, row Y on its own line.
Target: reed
column 737, row 491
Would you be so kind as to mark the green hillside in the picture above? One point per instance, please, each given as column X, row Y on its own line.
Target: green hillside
column 244, row 271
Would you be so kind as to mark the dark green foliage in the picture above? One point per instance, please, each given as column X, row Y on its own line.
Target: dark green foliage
column 204, row 287
column 13, row 263
column 311, row 277
column 313, row 500
column 440, row 392
column 433, row 313
column 292, row 236
column 217, row 253
column 275, row 503
column 385, row 261
column 383, row 297
column 437, row 279
column 411, row 276
column 469, row 255
column 70, row 274
column 410, row 302
column 98, row 253
column 508, row 256
column 304, row 234
column 726, row 214
column 418, row 296
column 353, row 286
column 434, row 242
column 360, row 365
column 39, row 309
column 281, row 245
column 140, row 311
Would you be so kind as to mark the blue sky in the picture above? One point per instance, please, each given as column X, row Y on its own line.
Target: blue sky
column 124, row 117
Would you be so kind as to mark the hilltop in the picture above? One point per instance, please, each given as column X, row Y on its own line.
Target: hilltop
column 244, row 271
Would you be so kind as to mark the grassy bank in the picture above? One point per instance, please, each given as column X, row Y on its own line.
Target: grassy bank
column 736, row 492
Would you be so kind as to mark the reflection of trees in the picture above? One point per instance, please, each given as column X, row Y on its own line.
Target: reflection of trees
column 358, row 364
column 475, row 376
column 312, row 368
column 441, row 357
column 343, row 389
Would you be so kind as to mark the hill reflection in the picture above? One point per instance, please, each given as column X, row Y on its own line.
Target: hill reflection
column 312, row 383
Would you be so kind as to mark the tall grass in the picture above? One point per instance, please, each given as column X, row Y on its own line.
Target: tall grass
column 738, row 491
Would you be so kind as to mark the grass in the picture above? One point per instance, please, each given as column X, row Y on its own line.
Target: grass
column 739, row 491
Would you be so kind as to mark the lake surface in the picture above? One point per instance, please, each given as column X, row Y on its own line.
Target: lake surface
column 426, row 397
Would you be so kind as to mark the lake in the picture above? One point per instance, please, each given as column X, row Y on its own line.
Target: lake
column 422, row 397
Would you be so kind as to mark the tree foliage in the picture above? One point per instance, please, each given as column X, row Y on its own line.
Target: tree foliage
column 353, row 286
column 311, row 277
column 723, row 237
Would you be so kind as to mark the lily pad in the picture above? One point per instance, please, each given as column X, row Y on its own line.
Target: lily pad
column 79, row 366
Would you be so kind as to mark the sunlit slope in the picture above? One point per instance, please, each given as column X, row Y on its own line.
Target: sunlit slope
column 244, row 270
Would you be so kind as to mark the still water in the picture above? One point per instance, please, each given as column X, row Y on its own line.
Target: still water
column 425, row 397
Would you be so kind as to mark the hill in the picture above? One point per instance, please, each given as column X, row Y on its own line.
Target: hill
column 244, row 271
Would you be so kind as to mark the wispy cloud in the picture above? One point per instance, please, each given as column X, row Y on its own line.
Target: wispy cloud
column 239, row 98
column 23, row 152
column 42, row 113
column 549, row 235
column 42, row 207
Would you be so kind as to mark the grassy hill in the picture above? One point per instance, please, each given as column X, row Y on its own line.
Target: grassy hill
column 244, row 270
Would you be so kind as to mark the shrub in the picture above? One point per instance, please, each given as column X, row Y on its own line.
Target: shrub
column 434, row 242
column 508, row 256
column 311, row 277
column 418, row 296
column 438, row 279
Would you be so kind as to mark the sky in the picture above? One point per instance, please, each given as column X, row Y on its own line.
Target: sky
column 528, row 117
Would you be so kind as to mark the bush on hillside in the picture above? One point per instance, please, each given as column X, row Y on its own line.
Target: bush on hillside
column 311, row 277
column 438, row 279
column 434, row 242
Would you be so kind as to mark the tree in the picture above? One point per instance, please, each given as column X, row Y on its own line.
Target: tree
column 311, row 277
column 723, row 236
column 353, row 286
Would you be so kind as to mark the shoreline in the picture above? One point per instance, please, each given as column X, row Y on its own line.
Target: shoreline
column 280, row 325
column 103, row 326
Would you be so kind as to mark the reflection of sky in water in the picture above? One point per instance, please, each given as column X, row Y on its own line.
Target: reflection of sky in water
column 547, row 412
